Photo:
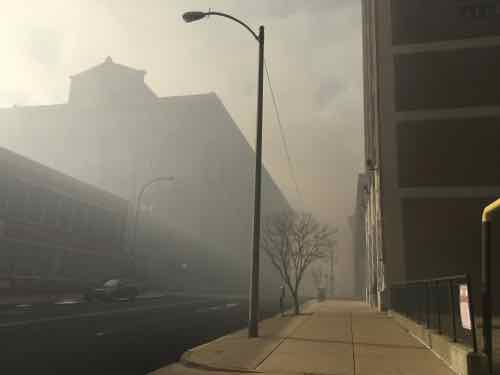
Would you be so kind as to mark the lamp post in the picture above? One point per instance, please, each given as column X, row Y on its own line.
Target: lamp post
column 254, row 285
column 138, row 206
column 331, row 278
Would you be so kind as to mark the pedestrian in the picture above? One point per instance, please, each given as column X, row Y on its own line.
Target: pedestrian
column 282, row 300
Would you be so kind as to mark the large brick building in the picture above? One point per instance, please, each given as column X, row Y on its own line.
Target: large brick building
column 55, row 231
column 116, row 133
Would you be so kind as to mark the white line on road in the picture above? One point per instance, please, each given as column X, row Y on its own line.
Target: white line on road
column 220, row 307
column 24, row 305
column 68, row 302
column 94, row 314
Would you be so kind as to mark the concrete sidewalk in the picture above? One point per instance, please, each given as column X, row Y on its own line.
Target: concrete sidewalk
column 334, row 337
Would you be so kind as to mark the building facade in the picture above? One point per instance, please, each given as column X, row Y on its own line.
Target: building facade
column 56, row 232
column 432, row 125
column 116, row 133
column 357, row 226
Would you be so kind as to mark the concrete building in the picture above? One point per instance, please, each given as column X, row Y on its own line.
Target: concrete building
column 116, row 133
column 432, row 125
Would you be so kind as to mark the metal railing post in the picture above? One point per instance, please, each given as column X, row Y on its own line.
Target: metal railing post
column 472, row 316
column 438, row 309
column 416, row 299
column 427, row 306
column 423, row 309
column 452, row 307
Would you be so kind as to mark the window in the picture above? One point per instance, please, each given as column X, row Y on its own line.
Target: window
column 115, row 228
column 33, row 204
column 108, row 226
column 52, row 208
column 44, row 205
column 77, row 217
column 66, row 213
column 443, row 20
column 3, row 194
column 17, row 198
column 480, row 10
column 470, row 158
column 85, row 210
column 456, row 78
column 94, row 223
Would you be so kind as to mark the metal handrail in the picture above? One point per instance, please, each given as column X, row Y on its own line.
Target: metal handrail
column 433, row 280
column 486, row 272
column 423, row 312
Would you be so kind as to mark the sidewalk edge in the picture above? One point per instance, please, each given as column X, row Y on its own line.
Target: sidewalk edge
column 453, row 355
column 187, row 362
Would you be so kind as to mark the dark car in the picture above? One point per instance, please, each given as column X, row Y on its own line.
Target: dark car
column 114, row 289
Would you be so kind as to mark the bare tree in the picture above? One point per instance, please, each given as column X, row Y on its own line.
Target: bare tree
column 293, row 241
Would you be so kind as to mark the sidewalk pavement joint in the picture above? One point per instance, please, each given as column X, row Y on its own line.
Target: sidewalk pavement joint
column 283, row 340
column 353, row 348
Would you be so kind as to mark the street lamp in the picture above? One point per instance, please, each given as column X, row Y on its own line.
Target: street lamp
column 138, row 205
column 254, row 285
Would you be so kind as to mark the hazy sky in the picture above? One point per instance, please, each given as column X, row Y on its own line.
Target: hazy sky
column 313, row 50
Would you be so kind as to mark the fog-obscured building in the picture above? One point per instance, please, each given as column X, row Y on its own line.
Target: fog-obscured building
column 56, row 233
column 116, row 133
column 432, row 122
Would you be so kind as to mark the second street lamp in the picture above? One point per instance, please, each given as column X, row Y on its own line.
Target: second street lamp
column 253, row 319
column 138, row 209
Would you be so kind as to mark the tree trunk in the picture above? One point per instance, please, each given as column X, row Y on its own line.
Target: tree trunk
column 296, row 305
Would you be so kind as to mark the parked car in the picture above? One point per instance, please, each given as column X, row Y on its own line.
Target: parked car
column 113, row 289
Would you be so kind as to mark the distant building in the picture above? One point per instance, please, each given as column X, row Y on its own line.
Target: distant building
column 56, row 232
column 432, row 125
column 116, row 133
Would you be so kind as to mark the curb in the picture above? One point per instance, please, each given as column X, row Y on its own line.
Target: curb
column 187, row 362
column 453, row 355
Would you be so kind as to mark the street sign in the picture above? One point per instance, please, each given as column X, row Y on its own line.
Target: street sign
column 464, row 307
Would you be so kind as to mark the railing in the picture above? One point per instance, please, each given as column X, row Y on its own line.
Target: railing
column 435, row 303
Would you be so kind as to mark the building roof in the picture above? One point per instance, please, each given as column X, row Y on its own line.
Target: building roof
column 109, row 84
column 41, row 175
column 107, row 66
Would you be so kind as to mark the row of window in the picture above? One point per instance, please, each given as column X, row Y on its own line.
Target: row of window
column 29, row 260
column 444, row 20
column 480, row 10
column 41, row 206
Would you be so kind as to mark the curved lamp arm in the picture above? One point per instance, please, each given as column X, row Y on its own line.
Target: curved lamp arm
column 148, row 185
column 195, row 16
column 137, row 207
column 235, row 20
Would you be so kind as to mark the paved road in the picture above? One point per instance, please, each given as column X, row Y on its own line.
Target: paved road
column 114, row 338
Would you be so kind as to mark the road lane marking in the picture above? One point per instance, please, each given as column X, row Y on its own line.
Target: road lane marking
column 215, row 308
column 24, row 305
column 94, row 314
column 68, row 302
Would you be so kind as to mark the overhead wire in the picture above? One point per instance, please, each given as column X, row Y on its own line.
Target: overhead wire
column 283, row 137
